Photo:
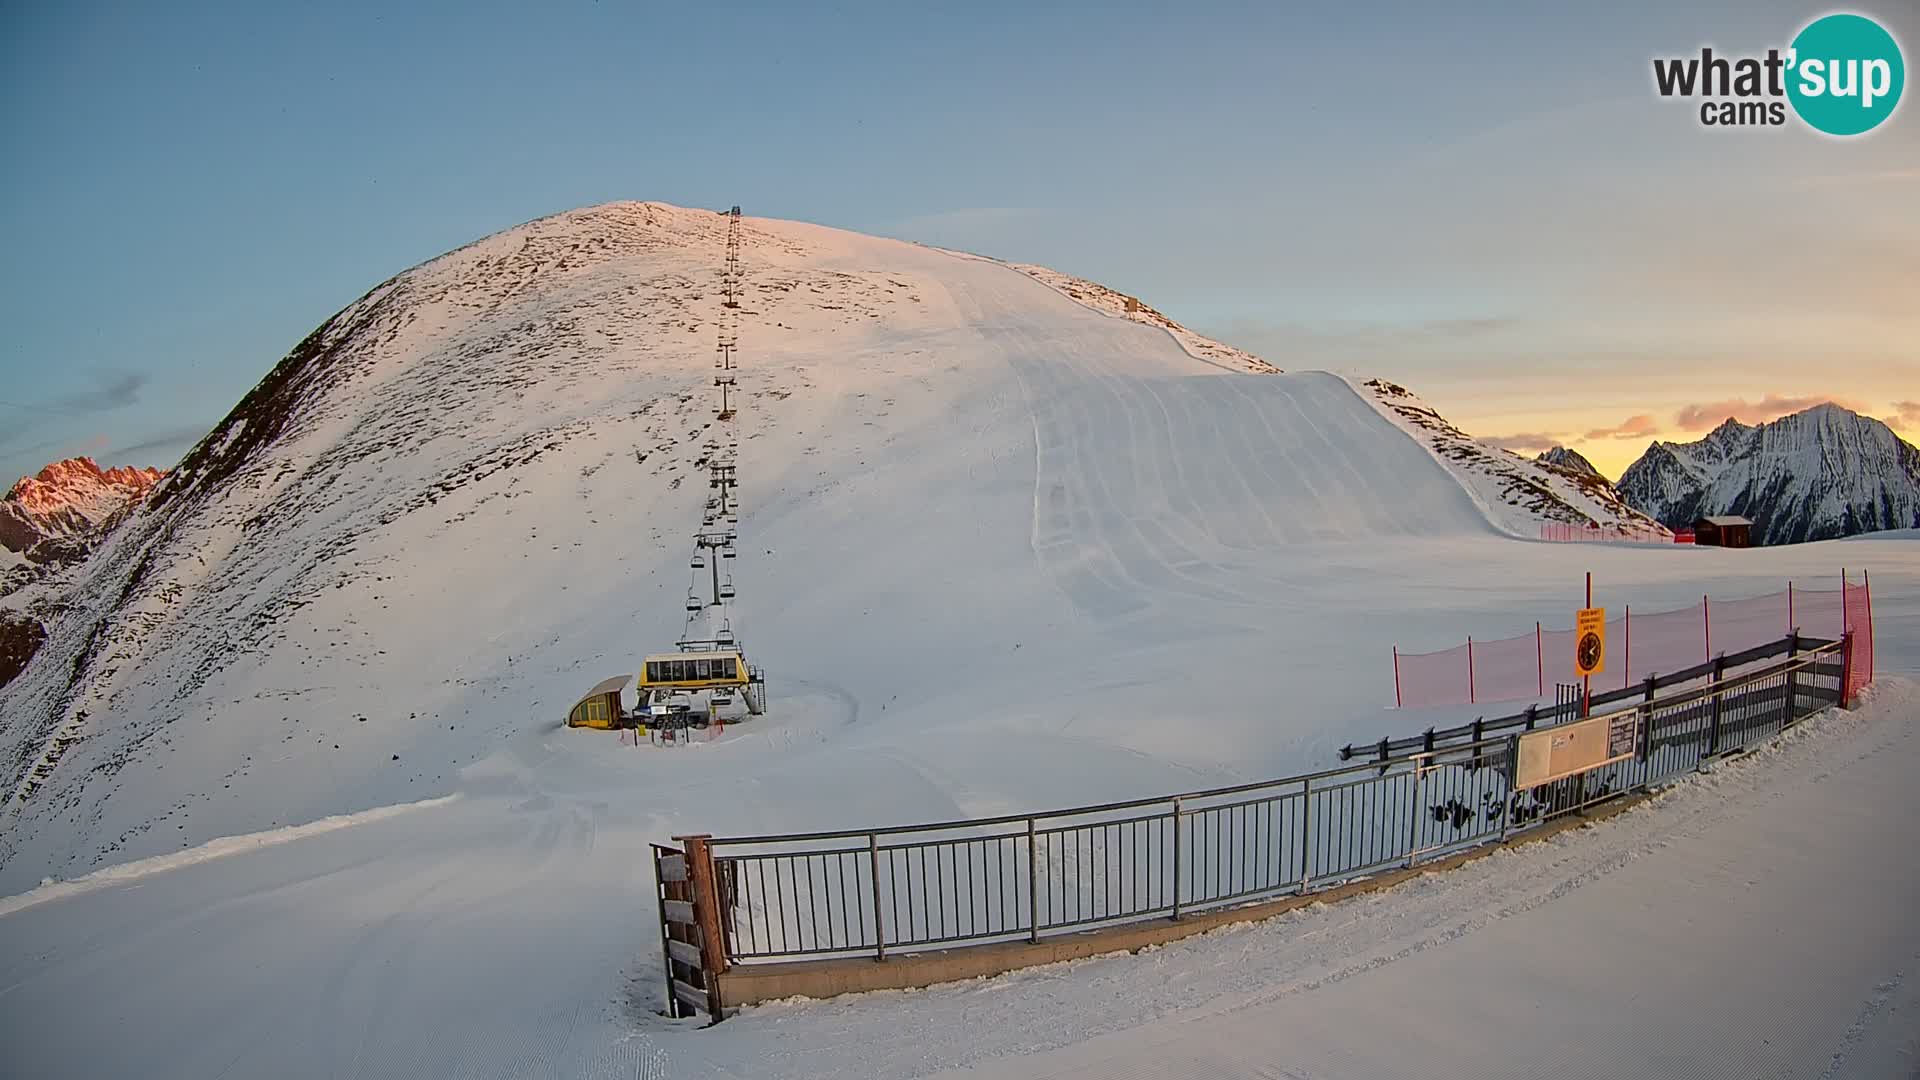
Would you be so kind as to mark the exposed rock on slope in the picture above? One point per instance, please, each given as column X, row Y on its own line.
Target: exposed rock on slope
column 1517, row 494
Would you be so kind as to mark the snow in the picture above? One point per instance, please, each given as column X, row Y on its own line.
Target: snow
column 1516, row 494
column 1000, row 551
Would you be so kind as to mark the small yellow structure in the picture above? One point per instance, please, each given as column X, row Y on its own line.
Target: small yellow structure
column 600, row 708
column 693, row 671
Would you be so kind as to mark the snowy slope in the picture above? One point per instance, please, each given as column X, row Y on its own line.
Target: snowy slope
column 463, row 500
column 1000, row 551
column 1120, row 305
column 1814, row 475
column 1516, row 494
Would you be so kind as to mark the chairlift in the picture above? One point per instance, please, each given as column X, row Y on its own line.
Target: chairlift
column 729, row 553
column 699, row 561
column 726, row 588
column 693, row 602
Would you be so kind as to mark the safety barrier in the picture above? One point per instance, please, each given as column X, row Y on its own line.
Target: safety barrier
column 1527, row 667
column 1610, row 533
column 920, row 891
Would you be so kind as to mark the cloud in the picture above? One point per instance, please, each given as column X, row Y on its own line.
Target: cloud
column 116, row 389
column 1906, row 414
column 1527, row 442
column 1640, row 426
column 1773, row 406
column 1374, row 334
column 177, row 440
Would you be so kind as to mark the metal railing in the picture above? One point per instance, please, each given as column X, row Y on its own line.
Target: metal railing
column 906, row 888
column 1534, row 716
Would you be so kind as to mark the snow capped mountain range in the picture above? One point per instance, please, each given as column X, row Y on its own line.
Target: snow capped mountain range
column 1818, row 474
column 72, row 499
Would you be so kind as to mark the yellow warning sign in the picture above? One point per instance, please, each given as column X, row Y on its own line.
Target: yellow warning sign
column 1590, row 641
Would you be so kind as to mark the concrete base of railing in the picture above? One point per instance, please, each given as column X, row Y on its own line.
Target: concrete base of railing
column 750, row 984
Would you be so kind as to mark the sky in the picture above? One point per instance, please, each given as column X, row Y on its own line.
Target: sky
column 1495, row 210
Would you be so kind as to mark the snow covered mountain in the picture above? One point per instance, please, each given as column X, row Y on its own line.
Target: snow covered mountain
column 1516, row 494
column 1569, row 459
column 69, row 499
column 1822, row 473
column 470, row 495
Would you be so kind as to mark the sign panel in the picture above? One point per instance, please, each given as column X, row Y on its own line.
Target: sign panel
column 1590, row 641
column 1561, row 751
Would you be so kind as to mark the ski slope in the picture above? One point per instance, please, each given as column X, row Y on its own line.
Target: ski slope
column 999, row 551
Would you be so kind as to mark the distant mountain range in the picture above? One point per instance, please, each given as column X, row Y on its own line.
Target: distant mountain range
column 1818, row 474
column 71, row 501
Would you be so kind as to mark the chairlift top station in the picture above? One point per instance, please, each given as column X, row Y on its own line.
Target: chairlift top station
column 692, row 683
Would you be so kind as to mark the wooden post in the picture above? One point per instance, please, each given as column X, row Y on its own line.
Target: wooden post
column 706, row 913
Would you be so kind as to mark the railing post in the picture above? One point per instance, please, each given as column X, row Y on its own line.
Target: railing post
column 1306, row 833
column 1846, row 662
column 706, row 913
column 1033, row 885
column 1413, row 805
column 1513, row 774
column 879, row 920
column 1176, row 857
column 1713, row 731
column 1793, row 683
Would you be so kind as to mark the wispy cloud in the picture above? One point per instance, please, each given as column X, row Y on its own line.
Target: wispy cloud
column 1906, row 414
column 1639, row 426
column 1710, row 414
column 176, row 440
column 1526, row 442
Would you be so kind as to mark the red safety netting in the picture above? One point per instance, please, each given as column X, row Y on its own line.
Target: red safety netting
column 1610, row 533
column 1639, row 644
column 1857, row 603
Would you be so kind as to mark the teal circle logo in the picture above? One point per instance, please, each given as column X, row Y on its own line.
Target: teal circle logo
column 1845, row 74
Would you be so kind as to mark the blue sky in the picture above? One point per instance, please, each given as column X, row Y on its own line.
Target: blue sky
column 1495, row 210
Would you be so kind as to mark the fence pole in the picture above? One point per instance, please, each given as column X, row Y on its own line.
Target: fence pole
column 1539, row 661
column 1626, row 668
column 1706, row 623
column 1033, row 886
column 1471, row 697
column 1793, row 687
column 1396, row 677
column 1866, row 584
column 1306, row 833
column 1713, row 732
column 1413, row 817
column 1846, row 661
column 879, row 921
column 1791, row 625
column 1176, row 857
column 706, row 912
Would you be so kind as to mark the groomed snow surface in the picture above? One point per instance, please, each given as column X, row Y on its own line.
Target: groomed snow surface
column 1000, row 553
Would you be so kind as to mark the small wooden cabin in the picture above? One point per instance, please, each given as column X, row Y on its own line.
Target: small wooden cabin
column 1723, row 530
column 600, row 708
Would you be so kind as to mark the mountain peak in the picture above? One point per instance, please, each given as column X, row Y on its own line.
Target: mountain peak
column 1569, row 459
column 1822, row 472
column 70, row 498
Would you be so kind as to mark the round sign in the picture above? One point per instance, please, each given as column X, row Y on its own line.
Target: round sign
column 1588, row 652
